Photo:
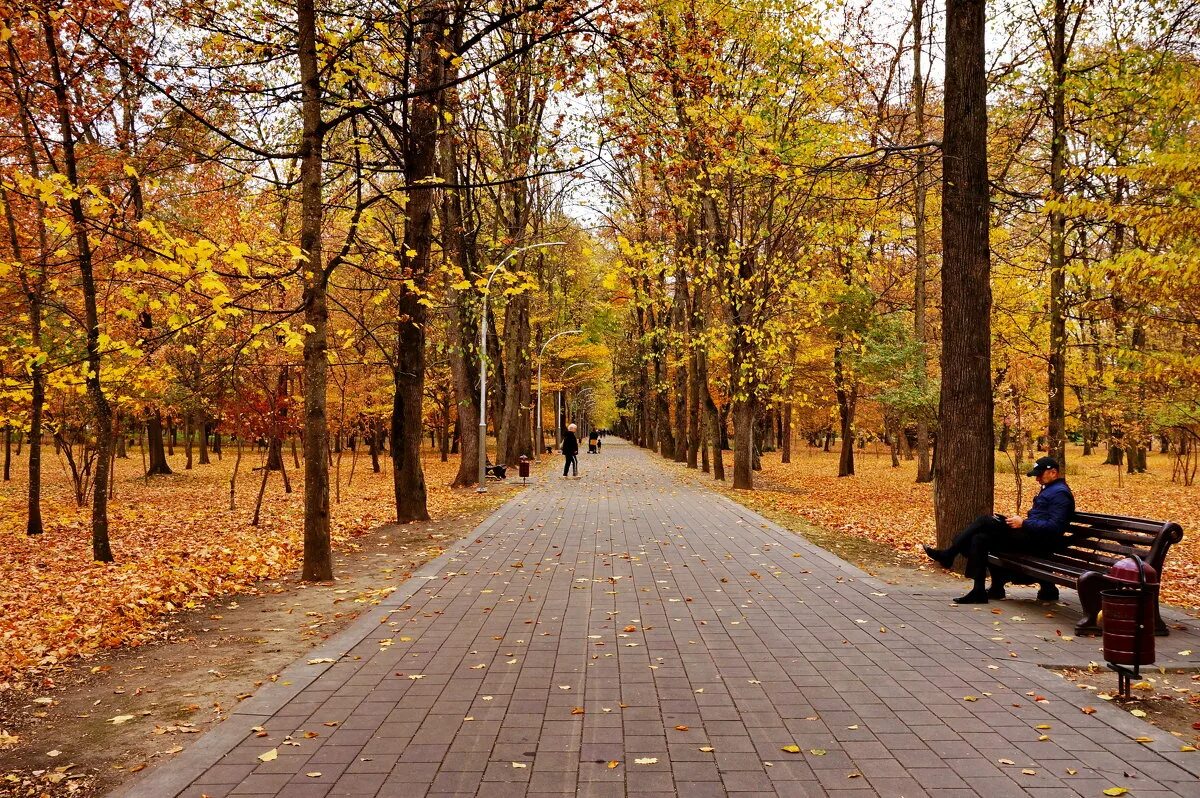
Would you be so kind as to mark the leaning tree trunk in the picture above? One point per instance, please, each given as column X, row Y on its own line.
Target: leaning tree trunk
column 964, row 466
column 102, row 410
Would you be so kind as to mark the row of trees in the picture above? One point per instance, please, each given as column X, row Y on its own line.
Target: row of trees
column 270, row 218
column 792, row 186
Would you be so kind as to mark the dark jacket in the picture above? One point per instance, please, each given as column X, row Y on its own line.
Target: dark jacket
column 1052, row 509
column 570, row 444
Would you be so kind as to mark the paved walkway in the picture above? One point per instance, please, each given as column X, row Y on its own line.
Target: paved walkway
column 626, row 634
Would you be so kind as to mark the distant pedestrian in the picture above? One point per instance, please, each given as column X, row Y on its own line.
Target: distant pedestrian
column 570, row 450
column 593, row 443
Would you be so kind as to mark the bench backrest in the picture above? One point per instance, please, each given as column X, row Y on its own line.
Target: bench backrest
column 1097, row 540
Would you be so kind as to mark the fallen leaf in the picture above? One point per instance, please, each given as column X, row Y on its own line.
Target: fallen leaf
column 313, row 774
column 791, row 749
column 519, row 765
column 269, row 756
column 681, row 727
column 613, row 763
column 1115, row 791
column 119, row 719
column 1138, row 713
column 646, row 760
column 817, row 751
column 708, row 749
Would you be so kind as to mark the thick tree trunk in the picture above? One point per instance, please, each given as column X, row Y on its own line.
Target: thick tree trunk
column 964, row 467
column 318, row 556
column 154, row 443
column 743, row 444
column 203, row 430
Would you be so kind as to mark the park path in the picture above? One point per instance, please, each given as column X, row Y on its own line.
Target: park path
column 633, row 618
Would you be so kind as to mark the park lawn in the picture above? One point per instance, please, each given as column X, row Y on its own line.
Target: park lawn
column 177, row 545
column 884, row 504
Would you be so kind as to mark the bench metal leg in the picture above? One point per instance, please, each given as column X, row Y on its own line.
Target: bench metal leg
column 1090, row 585
column 1160, row 628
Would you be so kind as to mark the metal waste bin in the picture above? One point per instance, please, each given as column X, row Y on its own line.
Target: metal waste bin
column 523, row 468
column 1128, row 610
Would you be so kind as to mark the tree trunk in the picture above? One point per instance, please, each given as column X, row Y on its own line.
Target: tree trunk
column 154, row 442
column 846, row 400
column 743, row 444
column 463, row 328
column 785, row 436
column 514, row 421
column 202, row 430
column 1056, row 443
column 101, row 549
column 7, row 452
column 187, row 442
column 964, row 469
column 420, row 167
column 924, row 473
column 373, row 446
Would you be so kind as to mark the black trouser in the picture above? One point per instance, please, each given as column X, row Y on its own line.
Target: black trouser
column 572, row 461
column 987, row 534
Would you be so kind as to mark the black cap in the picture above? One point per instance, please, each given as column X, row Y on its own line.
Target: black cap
column 1042, row 464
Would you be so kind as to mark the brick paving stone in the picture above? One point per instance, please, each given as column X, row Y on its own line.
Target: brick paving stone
column 653, row 603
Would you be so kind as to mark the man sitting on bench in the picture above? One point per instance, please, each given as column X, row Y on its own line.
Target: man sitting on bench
column 1040, row 533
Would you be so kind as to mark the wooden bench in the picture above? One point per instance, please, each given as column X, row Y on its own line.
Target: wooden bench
column 1091, row 544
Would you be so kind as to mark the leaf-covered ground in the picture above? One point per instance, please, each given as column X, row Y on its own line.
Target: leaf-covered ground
column 886, row 505
column 176, row 543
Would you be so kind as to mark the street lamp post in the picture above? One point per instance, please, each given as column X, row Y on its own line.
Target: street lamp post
column 558, row 419
column 537, row 452
column 483, row 361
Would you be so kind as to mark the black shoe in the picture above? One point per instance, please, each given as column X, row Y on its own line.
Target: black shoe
column 1048, row 593
column 996, row 592
column 974, row 597
column 940, row 556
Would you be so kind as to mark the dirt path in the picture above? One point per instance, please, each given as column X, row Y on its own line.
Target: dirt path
column 208, row 661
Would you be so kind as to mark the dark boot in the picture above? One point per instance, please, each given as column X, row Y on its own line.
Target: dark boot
column 943, row 557
column 1047, row 592
column 996, row 592
column 976, row 596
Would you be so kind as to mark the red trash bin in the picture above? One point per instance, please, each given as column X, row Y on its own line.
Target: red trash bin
column 523, row 468
column 1128, row 610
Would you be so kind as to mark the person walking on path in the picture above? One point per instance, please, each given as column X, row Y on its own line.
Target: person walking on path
column 570, row 450
column 1039, row 533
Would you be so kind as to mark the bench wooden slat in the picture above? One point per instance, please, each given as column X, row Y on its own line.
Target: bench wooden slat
column 1081, row 534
